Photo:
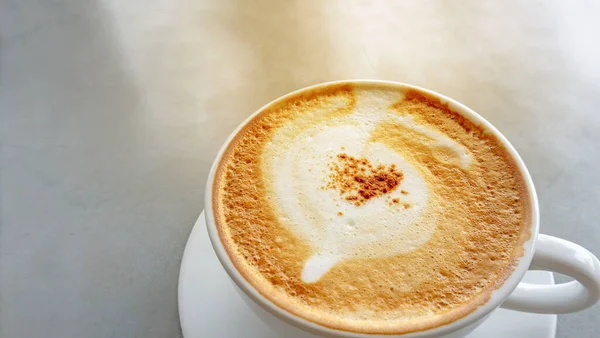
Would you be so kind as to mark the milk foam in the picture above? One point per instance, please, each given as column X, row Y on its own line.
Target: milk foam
column 297, row 163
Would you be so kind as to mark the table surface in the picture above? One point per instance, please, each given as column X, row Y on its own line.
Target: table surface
column 112, row 112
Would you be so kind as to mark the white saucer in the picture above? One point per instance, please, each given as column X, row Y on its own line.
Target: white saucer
column 209, row 306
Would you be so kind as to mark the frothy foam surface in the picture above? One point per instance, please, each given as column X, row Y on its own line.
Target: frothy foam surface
column 297, row 162
column 370, row 208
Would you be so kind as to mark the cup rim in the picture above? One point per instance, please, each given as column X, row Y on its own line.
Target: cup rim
column 497, row 297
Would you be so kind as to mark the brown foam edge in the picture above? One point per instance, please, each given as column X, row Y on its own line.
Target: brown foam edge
column 379, row 327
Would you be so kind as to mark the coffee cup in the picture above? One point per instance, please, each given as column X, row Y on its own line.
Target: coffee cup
column 538, row 251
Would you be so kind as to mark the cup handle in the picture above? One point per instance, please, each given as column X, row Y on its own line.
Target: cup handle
column 558, row 255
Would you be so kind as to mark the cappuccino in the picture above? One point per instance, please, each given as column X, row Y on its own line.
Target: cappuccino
column 371, row 208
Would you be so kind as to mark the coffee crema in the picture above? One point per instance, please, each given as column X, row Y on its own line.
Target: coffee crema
column 371, row 208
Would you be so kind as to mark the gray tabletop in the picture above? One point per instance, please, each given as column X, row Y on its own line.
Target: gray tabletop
column 112, row 112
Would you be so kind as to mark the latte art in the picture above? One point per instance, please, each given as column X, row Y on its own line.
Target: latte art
column 299, row 165
column 371, row 208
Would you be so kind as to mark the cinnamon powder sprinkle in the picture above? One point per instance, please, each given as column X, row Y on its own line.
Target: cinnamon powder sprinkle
column 357, row 180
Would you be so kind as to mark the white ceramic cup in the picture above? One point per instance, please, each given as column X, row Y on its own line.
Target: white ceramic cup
column 542, row 252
